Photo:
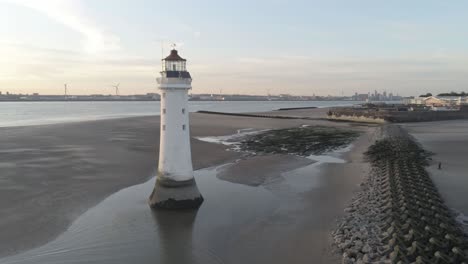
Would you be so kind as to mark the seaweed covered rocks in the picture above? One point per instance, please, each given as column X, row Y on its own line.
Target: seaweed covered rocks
column 303, row 141
column 398, row 216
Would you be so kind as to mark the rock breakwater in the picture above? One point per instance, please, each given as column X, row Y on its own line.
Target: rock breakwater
column 399, row 216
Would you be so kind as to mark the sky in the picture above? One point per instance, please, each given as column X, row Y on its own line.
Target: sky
column 248, row 47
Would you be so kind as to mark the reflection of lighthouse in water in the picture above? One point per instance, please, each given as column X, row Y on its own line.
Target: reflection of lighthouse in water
column 175, row 186
column 175, row 233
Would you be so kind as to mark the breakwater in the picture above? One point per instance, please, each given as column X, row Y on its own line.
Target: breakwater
column 399, row 216
column 257, row 115
column 296, row 108
column 376, row 115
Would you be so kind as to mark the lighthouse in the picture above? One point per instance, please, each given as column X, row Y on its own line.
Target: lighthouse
column 175, row 186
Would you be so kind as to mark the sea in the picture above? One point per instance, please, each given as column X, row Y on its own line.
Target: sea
column 40, row 113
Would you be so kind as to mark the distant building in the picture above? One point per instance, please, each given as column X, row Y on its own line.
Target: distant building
column 408, row 100
column 360, row 97
column 437, row 101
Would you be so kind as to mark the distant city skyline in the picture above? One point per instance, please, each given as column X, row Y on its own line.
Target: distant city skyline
column 240, row 47
column 374, row 94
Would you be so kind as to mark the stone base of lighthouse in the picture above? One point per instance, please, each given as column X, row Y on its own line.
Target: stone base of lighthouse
column 170, row 194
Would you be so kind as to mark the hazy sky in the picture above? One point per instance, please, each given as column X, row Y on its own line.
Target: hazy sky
column 297, row 47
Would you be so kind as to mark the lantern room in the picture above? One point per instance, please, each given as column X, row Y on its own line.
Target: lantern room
column 174, row 62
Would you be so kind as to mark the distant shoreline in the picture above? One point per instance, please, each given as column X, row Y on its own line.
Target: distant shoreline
column 157, row 100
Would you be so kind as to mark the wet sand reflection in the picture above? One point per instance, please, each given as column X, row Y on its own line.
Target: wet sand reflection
column 175, row 230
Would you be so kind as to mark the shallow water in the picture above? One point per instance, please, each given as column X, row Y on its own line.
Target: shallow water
column 123, row 229
column 235, row 224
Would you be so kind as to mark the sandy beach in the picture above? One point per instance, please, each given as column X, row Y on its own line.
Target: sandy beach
column 52, row 174
column 448, row 140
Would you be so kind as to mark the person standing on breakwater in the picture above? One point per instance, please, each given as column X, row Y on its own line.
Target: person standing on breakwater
column 440, row 165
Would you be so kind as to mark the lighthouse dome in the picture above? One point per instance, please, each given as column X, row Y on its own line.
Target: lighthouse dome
column 174, row 56
column 174, row 66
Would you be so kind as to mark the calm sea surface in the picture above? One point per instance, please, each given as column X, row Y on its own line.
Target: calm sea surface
column 37, row 113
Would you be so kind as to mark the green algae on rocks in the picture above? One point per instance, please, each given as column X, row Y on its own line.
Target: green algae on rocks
column 303, row 141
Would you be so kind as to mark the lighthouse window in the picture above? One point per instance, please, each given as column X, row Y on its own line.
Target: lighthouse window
column 183, row 127
column 164, row 127
column 164, row 95
column 183, row 110
column 164, row 110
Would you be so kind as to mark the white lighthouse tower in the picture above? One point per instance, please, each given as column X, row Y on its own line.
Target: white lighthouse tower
column 175, row 185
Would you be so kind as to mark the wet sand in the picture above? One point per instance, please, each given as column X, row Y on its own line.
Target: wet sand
column 52, row 174
column 448, row 140
column 260, row 170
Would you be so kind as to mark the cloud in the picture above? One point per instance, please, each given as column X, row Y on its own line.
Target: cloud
column 42, row 70
column 407, row 75
column 70, row 13
column 27, row 69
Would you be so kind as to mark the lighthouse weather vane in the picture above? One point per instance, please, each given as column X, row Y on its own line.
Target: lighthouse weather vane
column 173, row 46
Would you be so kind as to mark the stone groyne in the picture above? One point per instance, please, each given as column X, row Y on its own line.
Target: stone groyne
column 398, row 216
column 296, row 108
column 257, row 115
column 376, row 115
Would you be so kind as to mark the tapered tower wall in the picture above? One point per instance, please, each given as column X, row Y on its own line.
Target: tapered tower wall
column 175, row 160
